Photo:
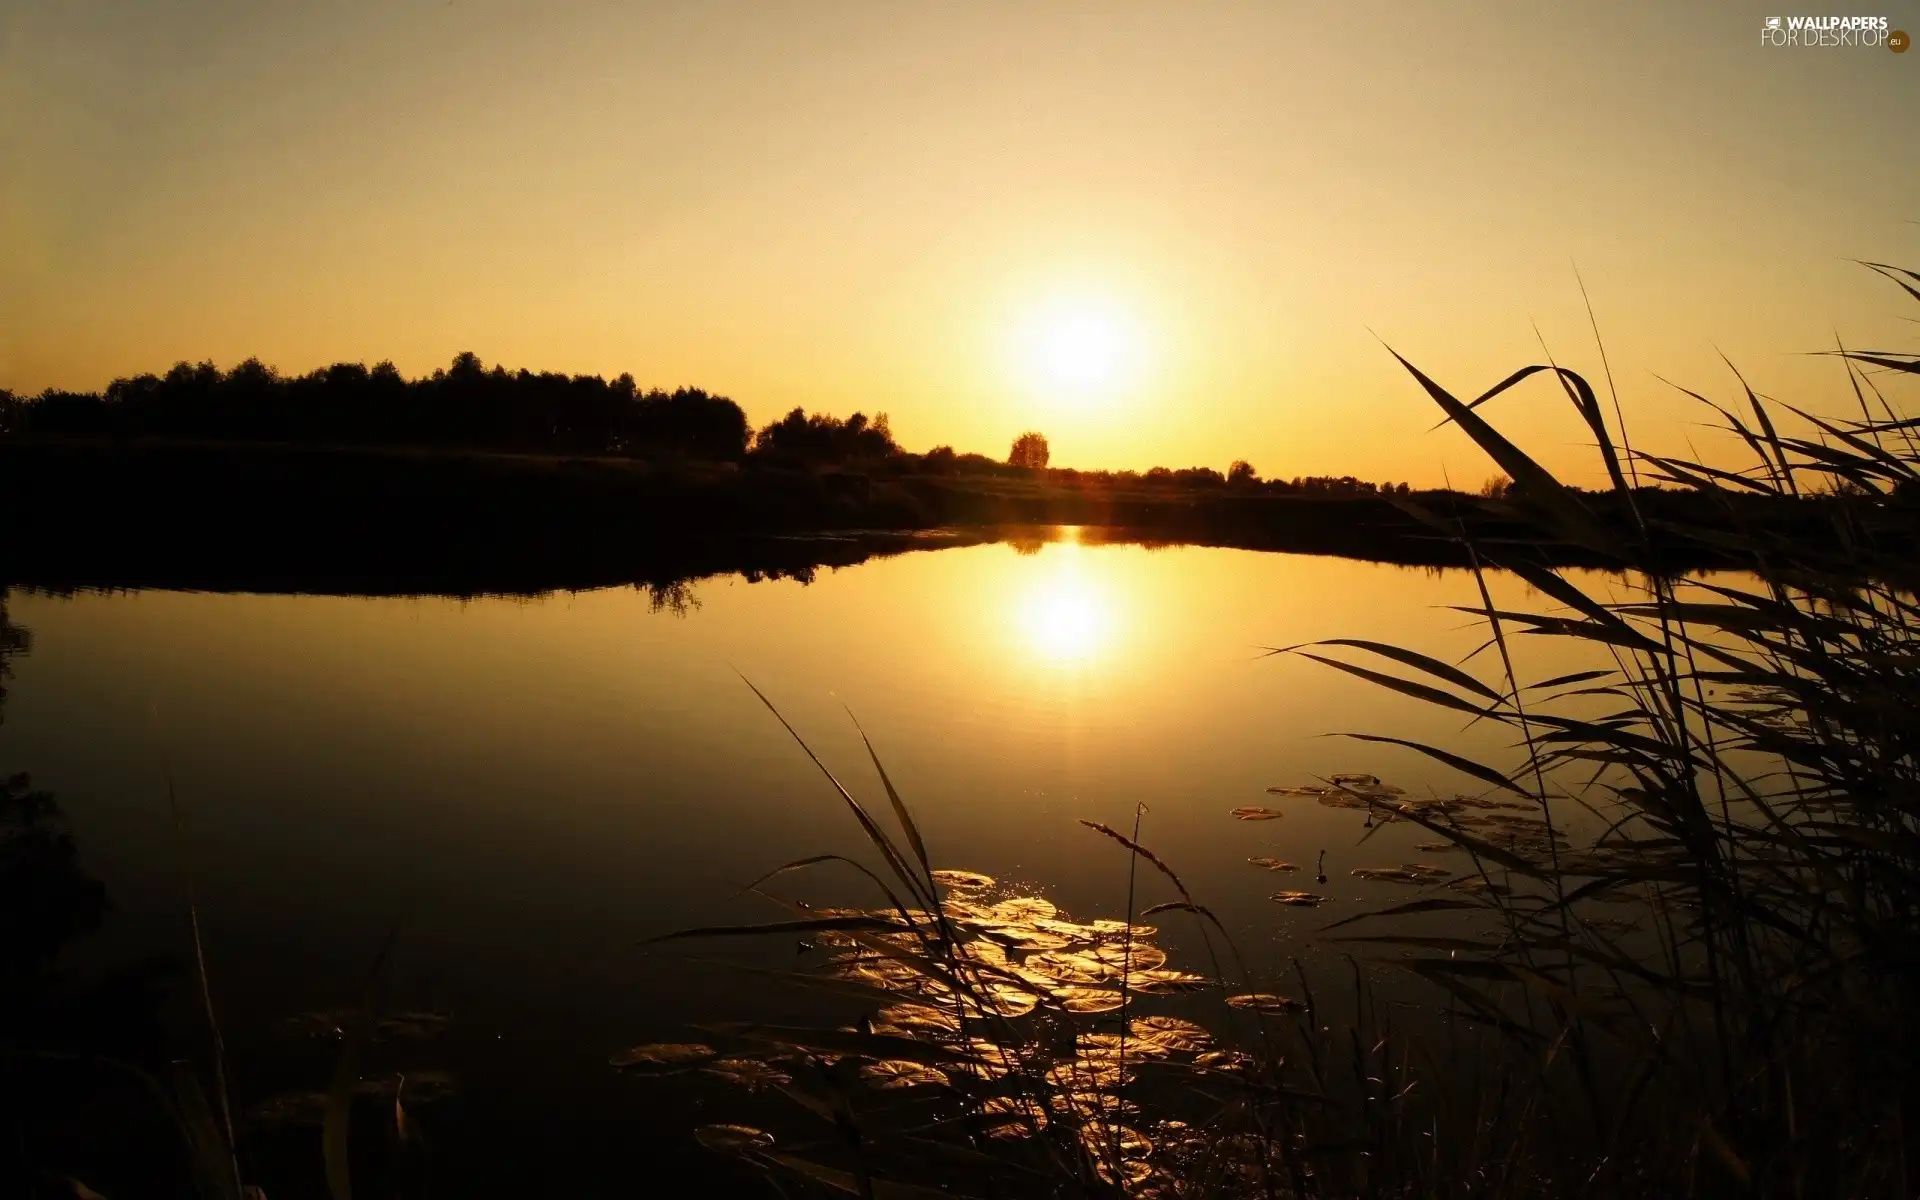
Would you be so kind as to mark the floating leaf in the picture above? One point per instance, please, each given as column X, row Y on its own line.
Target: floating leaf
column 1108, row 1140
column 988, row 1060
column 1118, row 929
column 1068, row 929
column 1267, row 1004
column 1487, row 886
column 1003, row 1000
column 1068, row 968
column 1272, row 864
column 917, row 1018
column 1173, row 1033
column 1345, row 800
column 1028, row 938
column 1085, row 1074
column 667, row 1055
column 1229, row 1062
column 961, row 909
column 1390, row 875
column 963, row 879
column 733, row 1139
column 1011, row 1117
column 1257, row 814
column 1021, row 909
column 1094, row 1105
column 748, row 1073
column 1126, row 1173
column 1167, row 983
column 1298, row 899
column 1088, row 999
column 1138, row 956
column 893, row 1074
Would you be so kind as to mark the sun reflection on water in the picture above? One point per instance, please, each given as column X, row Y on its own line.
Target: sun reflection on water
column 1066, row 617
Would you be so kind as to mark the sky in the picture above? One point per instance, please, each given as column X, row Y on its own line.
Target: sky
column 1176, row 234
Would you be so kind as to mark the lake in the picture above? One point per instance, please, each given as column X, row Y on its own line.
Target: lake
column 524, row 789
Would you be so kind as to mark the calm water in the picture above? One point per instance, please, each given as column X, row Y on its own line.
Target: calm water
column 524, row 789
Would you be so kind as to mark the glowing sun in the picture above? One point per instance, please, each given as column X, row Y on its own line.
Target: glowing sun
column 1081, row 348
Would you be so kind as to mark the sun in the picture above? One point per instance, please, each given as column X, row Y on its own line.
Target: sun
column 1080, row 347
column 1082, row 350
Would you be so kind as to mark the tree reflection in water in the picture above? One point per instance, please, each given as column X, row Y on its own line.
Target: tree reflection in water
column 70, row 1037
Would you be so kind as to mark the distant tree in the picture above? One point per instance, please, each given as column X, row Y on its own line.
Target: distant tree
column 939, row 461
column 825, row 439
column 1497, row 488
column 1029, row 451
column 691, row 422
column 1242, row 472
column 1199, row 477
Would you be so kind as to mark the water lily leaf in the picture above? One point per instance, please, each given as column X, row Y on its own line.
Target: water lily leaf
column 1298, row 899
column 749, row 1073
column 1173, row 1033
column 963, row 879
column 1167, row 982
column 1110, row 1140
column 1088, row 999
column 668, row 1055
column 1013, row 1117
column 733, row 1139
column 1021, row 909
column 1267, row 1004
column 895, row 1074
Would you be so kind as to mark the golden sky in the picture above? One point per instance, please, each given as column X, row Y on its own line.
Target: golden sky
column 905, row 206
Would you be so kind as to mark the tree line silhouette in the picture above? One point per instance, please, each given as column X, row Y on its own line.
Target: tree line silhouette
column 469, row 406
column 463, row 406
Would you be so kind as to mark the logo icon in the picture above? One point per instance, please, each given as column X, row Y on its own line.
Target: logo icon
column 1898, row 41
column 1773, row 22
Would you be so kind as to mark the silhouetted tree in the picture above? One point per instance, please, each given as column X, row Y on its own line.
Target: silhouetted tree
column 824, row 439
column 1242, row 472
column 1029, row 451
column 1199, row 477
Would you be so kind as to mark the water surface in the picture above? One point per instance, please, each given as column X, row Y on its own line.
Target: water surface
column 525, row 789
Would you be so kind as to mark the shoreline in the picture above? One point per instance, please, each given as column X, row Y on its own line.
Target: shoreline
column 226, row 516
